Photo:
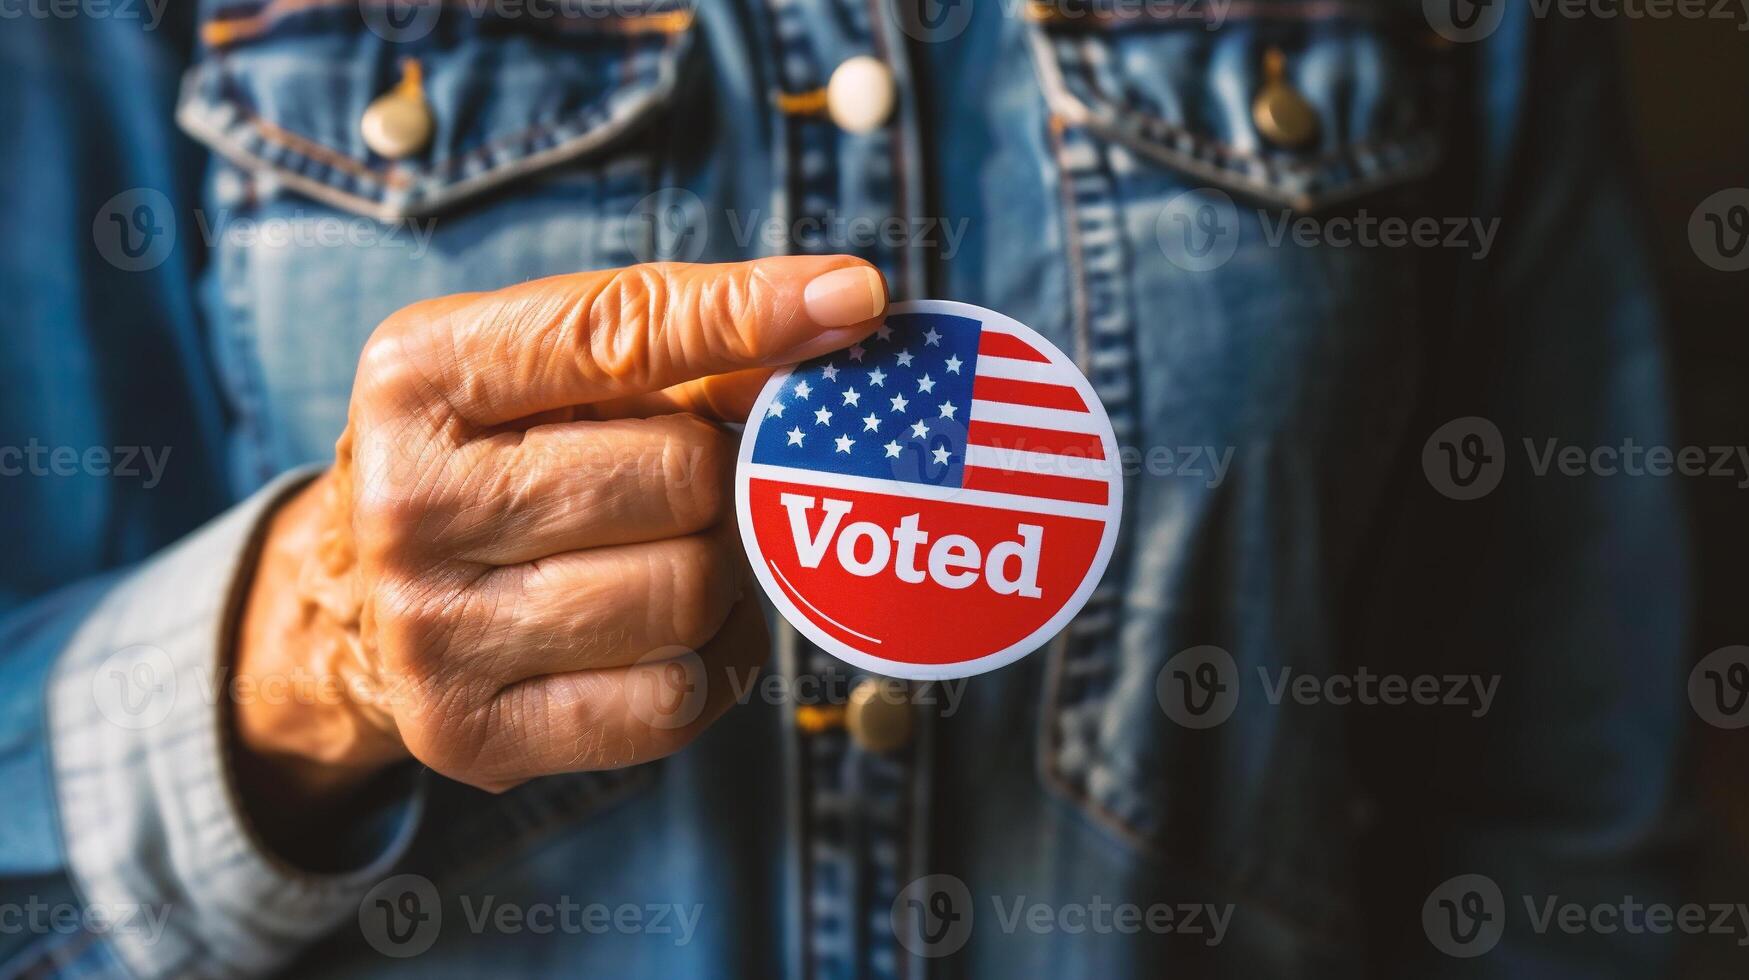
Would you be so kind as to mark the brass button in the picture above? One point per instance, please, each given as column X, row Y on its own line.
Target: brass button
column 1281, row 113
column 398, row 123
column 861, row 94
column 879, row 714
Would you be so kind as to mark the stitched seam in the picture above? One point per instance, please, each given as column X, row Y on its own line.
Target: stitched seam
column 226, row 32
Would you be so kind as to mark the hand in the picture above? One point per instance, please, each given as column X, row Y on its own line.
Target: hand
column 528, row 528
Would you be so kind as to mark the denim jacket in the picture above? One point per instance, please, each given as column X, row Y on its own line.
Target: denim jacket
column 1179, row 195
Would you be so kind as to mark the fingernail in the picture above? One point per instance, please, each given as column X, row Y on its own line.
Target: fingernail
column 845, row 296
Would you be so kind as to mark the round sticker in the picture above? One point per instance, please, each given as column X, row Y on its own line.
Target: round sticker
column 936, row 501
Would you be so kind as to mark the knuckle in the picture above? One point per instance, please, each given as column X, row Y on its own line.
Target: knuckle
column 389, row 367
column 697, row 591
column 414, row 620
column 623, row 321
column 693, row 461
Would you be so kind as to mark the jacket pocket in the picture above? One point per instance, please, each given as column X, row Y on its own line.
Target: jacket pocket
column 286, row 88
column 1290, row 102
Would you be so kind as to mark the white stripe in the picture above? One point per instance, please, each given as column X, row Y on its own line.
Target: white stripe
column 1038, row 418
column 1009, row 367
column 1042, row 464
column 924, row 491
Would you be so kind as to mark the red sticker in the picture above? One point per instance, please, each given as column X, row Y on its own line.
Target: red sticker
column 936, row 501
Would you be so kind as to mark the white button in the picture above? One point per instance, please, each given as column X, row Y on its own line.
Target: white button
column 397, row 124
column 860, row 96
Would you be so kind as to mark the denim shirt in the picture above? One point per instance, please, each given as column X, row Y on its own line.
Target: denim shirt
column 1111, row 174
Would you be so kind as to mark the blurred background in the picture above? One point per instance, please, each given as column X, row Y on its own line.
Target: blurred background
column 1687, row 81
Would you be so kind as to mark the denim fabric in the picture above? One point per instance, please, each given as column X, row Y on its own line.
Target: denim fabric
column 1045, row 155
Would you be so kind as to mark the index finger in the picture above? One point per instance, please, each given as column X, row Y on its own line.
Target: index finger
column 594, row 336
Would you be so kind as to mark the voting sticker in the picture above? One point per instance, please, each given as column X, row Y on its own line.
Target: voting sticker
column 934, row 502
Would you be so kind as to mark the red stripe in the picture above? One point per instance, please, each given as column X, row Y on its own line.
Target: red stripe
column 1035, row 484
column 1038, row 394
column 1008, row 345
column 1001, row 435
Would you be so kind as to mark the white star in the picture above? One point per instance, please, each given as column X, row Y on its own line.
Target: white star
column 776, row 410
column 829, row 372
column 795, row 436
column 953, row 365
column 926, row 383
column 856, row 352
column 883, row 332
column 870, row 422
column 932, row 338
column 899, row 403
column 940, row 456
column 947, row 410
column 822, row 416
column 850, row 396
column 904, row 358
column 892, row 449
column 802, row 389
column 844, row 444
column 878, row 378
column 919, row 430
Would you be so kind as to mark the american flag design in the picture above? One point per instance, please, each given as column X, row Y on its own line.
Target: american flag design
column 935, row 501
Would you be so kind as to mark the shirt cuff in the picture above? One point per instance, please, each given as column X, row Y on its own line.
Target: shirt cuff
column 153, row 830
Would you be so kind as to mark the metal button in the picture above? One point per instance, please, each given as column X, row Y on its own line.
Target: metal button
column 879, row 714
column 1281, row 113
column 397, row 124
column 860, row 95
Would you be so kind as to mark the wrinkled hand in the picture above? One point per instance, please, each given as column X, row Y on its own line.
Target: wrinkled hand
column 529, row 527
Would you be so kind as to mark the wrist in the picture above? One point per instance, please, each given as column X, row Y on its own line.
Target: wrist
column 308, row 725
